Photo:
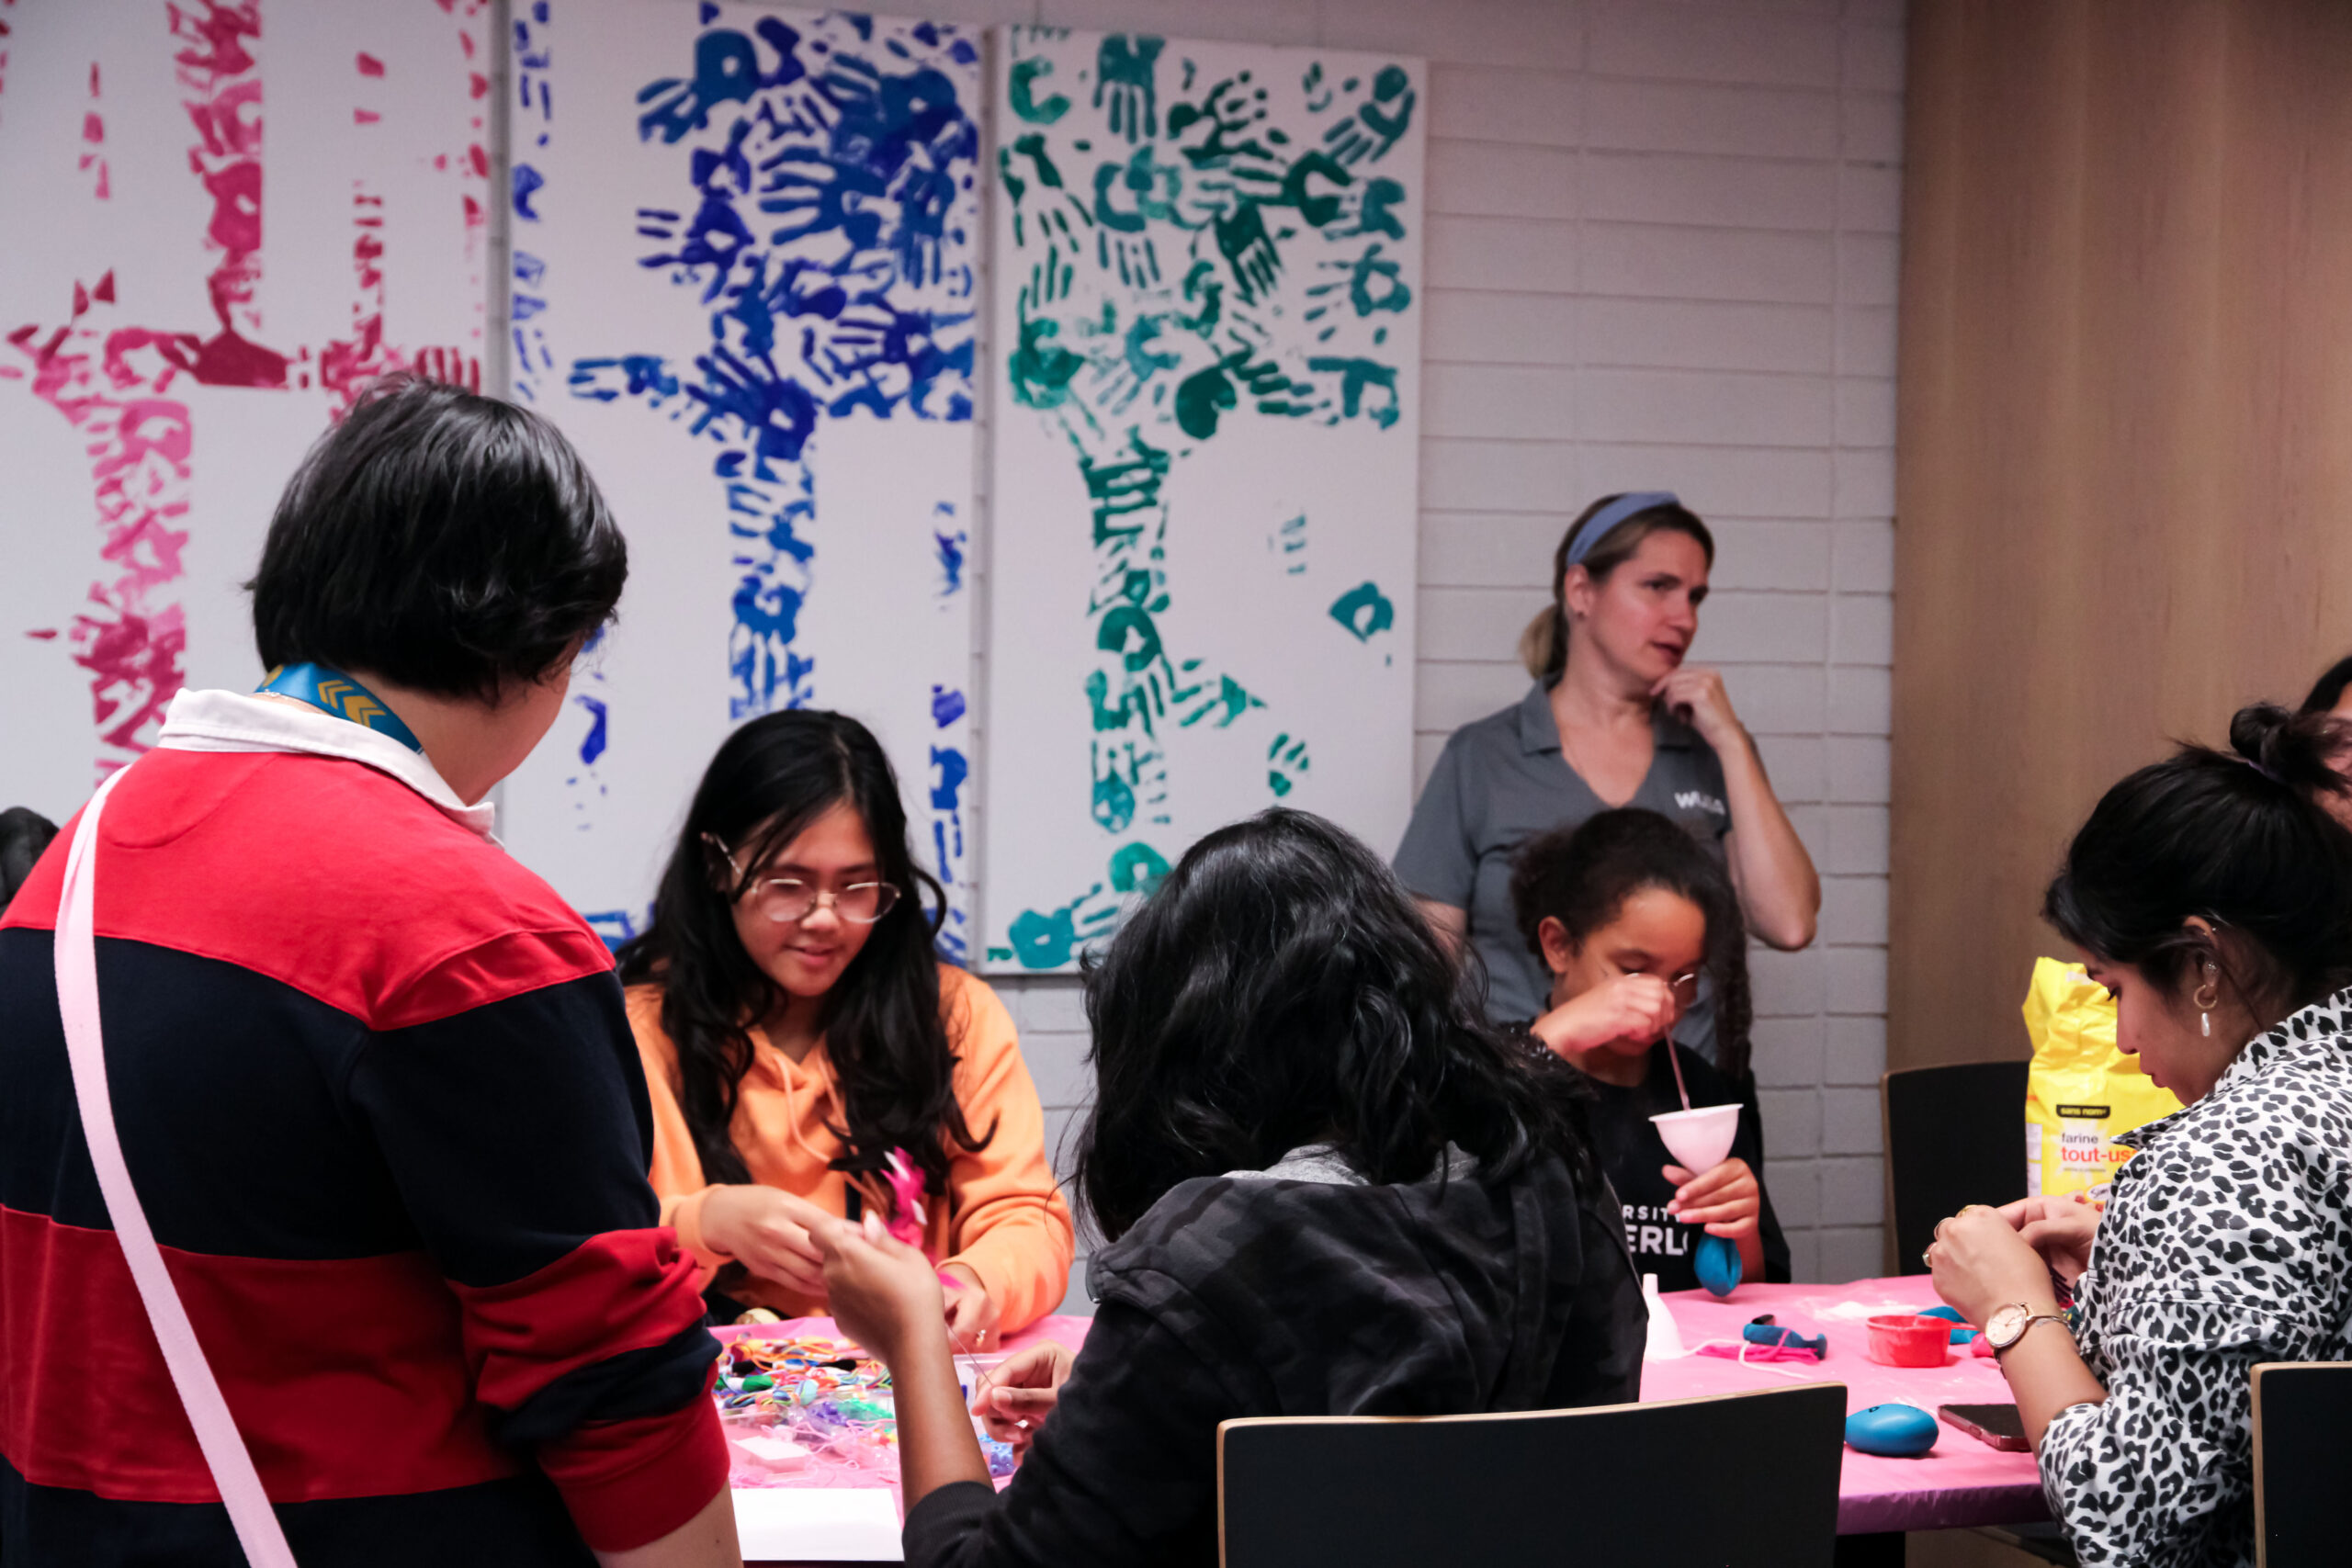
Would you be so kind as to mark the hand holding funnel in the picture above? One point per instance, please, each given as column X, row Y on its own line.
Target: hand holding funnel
column 1700, row 1140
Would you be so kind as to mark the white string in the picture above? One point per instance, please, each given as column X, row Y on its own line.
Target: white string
column 78, row 999
column 1745, row 1346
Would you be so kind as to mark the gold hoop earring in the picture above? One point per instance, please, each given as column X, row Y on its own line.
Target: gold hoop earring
column 2204, row 999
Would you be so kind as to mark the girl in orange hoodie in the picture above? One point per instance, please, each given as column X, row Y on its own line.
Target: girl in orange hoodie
column 796, row 1027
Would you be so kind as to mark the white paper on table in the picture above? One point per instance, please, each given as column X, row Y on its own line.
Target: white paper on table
column 821, row 1524
column 1830, row 1309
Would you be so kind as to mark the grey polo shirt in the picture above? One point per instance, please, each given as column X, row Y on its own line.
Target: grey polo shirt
column 1502, row 779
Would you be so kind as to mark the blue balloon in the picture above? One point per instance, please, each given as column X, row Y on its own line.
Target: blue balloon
column 1717, row 1262
column 1896, row 1431
column 1962, row 1333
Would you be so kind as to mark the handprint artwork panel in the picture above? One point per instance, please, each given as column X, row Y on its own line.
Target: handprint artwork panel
column 1208, row 262
column 745, row 284
column 226, row 220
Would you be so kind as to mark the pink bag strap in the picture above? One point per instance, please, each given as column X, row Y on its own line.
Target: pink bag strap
column 77, row 999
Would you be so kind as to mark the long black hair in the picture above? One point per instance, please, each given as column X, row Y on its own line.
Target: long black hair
column 881, row 1020
column 23, row 834
column 2238, row 838
column 1280, row 990
column 1582, row 876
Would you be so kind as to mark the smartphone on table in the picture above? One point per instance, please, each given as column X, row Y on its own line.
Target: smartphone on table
column 1997, row 1425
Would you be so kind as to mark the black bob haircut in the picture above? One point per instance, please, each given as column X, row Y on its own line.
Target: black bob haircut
column 448, row 542
column 1278, row 989
column 2238, row 838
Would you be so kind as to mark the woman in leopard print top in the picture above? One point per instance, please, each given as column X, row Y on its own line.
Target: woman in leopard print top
column 2213, row 897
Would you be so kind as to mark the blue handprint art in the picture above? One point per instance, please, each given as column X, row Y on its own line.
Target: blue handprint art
column 817, row 218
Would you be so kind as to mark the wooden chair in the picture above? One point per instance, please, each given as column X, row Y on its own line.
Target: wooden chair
column 1605, row 1484
column 2302, row 1451
column 1954, row 1135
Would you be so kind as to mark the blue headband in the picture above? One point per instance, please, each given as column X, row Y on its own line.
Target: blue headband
column 1596, row 527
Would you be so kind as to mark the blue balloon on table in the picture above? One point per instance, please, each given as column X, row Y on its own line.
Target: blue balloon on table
column 1962, row 1333
column 1894, row 1431
column 1717, row 1259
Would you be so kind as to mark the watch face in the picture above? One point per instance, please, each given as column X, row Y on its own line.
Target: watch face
column 2004, row 1327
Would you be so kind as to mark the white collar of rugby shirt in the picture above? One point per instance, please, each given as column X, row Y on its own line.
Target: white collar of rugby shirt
column 234, row 721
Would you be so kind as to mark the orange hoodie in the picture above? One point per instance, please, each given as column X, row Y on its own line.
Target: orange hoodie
column 1003, row 1216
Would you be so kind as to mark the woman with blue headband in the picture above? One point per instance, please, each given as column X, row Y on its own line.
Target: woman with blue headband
column 1615, row 719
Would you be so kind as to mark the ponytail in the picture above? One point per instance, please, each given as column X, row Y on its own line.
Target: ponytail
column 1543, row 646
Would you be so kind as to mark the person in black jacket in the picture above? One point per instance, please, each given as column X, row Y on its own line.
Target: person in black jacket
column 23, row 834
column 1329, row 1188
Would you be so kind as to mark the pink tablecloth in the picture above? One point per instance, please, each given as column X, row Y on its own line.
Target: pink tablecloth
column 1960, row 1482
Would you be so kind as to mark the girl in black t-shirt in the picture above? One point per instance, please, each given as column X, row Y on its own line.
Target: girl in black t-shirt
column 1625, row 911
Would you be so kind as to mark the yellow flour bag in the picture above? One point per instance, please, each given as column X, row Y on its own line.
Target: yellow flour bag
column 2081, row 1090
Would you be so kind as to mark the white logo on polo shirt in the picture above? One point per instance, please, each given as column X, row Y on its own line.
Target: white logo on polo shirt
column 1699, row 800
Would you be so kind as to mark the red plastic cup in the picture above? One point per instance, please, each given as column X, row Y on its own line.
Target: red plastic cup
column 1901, row 1340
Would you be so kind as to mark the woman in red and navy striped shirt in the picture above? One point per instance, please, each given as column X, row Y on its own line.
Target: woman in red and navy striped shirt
column 373, row 1079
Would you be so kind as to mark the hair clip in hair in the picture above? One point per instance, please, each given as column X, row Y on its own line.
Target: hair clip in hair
column 716, row 842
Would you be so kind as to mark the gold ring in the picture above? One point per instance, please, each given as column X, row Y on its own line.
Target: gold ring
column 1975, row 1209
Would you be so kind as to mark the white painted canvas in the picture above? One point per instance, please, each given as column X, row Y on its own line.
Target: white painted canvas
column 744, row 283
column 221, row 220
column 1207, row 306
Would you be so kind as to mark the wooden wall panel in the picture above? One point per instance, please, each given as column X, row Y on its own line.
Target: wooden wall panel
column 2124, row 451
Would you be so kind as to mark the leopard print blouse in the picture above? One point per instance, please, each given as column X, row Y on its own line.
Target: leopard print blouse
column 2228, row 1242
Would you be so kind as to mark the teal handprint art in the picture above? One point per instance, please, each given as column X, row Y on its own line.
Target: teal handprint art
column 1364, row 611
column 1122, row 72
column 1021, row 88
column 1378, row 122
column 1199, row 246
column 1286, row 763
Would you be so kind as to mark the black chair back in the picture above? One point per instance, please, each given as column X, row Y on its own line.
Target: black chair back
column 1954, row 1135
column 2302, row 1451
column 1591, row 1485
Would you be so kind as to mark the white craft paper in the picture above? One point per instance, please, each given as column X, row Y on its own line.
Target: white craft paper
column 818, row 1524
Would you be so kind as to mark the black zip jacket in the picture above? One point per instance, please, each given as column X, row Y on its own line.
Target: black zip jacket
column 1250, row 1295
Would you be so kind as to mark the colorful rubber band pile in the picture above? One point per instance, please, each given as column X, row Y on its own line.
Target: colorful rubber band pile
column 827, row 1396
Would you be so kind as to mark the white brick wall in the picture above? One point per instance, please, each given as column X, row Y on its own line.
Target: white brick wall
column 1702, row 300
column 1661, row 252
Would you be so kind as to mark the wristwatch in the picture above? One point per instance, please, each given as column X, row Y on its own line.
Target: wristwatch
column 2008, row 1324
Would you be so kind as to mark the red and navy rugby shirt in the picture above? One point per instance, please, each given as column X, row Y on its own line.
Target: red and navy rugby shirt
column 381, row 1103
